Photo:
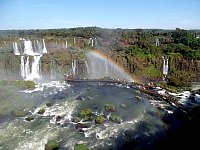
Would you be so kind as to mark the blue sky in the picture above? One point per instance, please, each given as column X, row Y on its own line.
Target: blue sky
column 44, row 14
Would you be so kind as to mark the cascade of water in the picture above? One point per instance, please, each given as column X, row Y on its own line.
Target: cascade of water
column 27, row 68
column 74, row 41
column 157, row 42
column 95, row 41
column 92, row 43
column 53, row 69
column 106, row 67
column 87, row 67
column 28, row 49
column 44, row 47
column 22, row 67
column 101, row 67
column 15, row 48
column 165, row 65
column 35, row 71
column 74, row 67
column 66, row 44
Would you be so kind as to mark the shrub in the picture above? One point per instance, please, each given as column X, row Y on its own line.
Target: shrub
column 138, row 97
column 41, row 111
column 115, row 119
column 109, row 107
column 80, row 147
column 99, row 120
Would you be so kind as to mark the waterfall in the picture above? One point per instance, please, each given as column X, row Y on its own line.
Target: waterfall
column 74, row 41
column 22, row 67
column 74, row 67
column 28, row 49
column 95, row 41
column 165, row 65
column 35, row 72
column 87, row 67
column 27, row 68
column 66, row 44
column 92, row 42
column 106, row 67
column 73, row 70
column 44, row 47
column 31, row 71
column 15, row 48
column 101, row 67
column 157, row 42
column 53, row 69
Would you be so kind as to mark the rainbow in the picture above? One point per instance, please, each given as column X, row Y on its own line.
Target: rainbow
column 117, row 70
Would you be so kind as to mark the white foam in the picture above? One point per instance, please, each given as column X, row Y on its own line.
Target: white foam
column 59, row 86
column 38, row 139
column 111, row 129
column 64, row 109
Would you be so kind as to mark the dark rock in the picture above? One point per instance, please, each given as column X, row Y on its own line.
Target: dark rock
column 58, row 118
column 29, row 118
column 82, row 125
column 192, row 97
column 79, row 98
column 76, row 119
column 95, row 107
column 49, row 104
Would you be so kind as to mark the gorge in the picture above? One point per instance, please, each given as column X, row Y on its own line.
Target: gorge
column 99, row 115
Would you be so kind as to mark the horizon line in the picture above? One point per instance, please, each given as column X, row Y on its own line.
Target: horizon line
column 103, row 28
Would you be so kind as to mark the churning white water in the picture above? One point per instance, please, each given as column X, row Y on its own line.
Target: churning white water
column 15, row 48
column 44, row 47
column 53, row 69
column 165, row 65
column 33, row 51
column 22, row 67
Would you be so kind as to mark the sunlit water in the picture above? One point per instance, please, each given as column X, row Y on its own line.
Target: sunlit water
column 141, row 120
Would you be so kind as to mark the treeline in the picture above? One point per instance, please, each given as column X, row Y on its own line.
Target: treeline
column 134, row 42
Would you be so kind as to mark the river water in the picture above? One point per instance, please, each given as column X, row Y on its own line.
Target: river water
column 141, row 120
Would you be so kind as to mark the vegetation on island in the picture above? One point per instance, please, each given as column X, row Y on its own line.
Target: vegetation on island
column 99, row 120
column 86, row 114
column 115, row 119
column 41, row 111
column 81, row 147
column 109, row 107
column 52, row 145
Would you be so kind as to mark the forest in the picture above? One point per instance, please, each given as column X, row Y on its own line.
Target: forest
column 134, row 42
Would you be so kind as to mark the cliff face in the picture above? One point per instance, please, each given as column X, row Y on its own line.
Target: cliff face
column 9, row 66
column 188, row 69
column 57, row 57
column 61, row 54
column 151, row 67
